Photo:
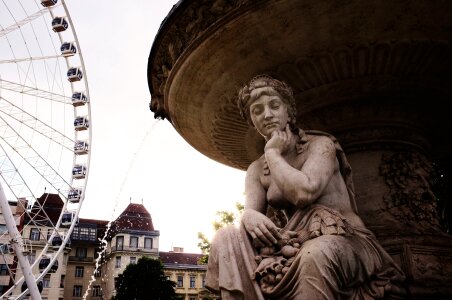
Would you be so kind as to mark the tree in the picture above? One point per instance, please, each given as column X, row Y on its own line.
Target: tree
column 224, row 218
column 145, row 280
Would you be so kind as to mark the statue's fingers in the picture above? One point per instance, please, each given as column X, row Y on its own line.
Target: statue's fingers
column 268, row 234
column 275, row 231
column 261, row 236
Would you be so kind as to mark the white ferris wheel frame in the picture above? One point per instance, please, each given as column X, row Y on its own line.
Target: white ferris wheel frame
column 16, row 238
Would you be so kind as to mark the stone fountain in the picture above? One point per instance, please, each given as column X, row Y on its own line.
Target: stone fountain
column 376, row 74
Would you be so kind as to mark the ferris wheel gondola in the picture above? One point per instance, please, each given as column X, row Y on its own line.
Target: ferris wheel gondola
column 45, row 137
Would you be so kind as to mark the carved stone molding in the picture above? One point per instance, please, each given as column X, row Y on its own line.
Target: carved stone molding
column 404, row 58
column 187, row 25
column 206, row 49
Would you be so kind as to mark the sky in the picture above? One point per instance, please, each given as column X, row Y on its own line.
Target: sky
column 133, row 156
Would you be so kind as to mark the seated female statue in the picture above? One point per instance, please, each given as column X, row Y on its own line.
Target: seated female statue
column 300, row 236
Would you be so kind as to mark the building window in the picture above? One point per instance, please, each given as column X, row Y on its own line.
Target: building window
column 203, row 282
column 98, row 273
column 192, row 298
column 3, row 229
column 133, row 260
column 79, row 271
column 62, row 281
column 97, row 291
column 118, row 262
column 92, row 234
column 192, row 281
column 34, row 234
column 147, row 243
column 133, row 242
column 180, row 281
column 46, row 281
column 81, row 252
column 75, row 233
column 49, row 233
column 119, row 243
column 4, row 248
column 77, row 291
column 84, row 233
column 3, row 270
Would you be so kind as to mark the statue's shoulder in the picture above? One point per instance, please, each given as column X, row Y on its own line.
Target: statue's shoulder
column 258, row 164
column 315, row 137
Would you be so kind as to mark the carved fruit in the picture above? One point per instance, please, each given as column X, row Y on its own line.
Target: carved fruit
column 289, row 251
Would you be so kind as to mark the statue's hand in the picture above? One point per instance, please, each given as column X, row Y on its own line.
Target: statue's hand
column 280, row 141
column 261, row 229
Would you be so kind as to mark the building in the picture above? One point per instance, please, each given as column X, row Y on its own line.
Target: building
column 36, row 231
column 188, row 273
column 131, row 236
column 81, row 262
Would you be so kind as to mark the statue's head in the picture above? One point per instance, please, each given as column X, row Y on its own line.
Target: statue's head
column 265, row 85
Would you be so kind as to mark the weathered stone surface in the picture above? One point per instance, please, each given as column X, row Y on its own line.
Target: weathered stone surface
column 377, row 75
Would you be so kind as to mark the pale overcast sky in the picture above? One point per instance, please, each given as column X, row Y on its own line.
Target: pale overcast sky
column 133, row 155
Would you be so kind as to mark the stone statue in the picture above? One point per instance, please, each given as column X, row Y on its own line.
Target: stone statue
column 300, row 236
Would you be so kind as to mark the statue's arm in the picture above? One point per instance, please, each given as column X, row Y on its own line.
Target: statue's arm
column 261, row 229
column 303, row 187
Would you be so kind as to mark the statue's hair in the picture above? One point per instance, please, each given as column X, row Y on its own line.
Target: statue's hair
column 265, row 85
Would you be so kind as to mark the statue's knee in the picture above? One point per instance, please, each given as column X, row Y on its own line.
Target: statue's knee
column 316, row 251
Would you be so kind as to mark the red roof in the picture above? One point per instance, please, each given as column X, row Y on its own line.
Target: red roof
column 48, row 205
column 180, row 258
column 134, row 217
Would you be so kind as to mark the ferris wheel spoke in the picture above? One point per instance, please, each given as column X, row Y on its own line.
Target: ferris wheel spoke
column 42, row 147
column 17, row 185
column 18, row 24
column 33, row 158
column 17, row 60
column 33, row 123
column 32, row 91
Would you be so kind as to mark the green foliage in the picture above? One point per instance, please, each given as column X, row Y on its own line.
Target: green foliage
column 204, row 243
column 145, row 280
column 223, row 218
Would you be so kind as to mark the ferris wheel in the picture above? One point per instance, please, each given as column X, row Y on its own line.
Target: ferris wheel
column 45, row 141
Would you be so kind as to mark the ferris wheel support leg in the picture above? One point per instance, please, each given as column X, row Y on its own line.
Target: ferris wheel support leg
column 17, row 244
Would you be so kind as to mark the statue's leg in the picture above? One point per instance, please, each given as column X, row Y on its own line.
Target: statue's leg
column 231, row 266
column 231, row 295
column 337, row 267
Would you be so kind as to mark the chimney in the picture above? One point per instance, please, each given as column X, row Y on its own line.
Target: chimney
column 178, row 249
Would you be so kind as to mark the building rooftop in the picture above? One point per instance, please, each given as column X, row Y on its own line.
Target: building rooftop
column 180, row 258
column 48, row 206
column 134, row 218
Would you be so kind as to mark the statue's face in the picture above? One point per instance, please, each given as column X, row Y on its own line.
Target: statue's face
column 269, row 113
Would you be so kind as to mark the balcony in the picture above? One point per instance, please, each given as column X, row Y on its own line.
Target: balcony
column 81, row 259
column 40, row 241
